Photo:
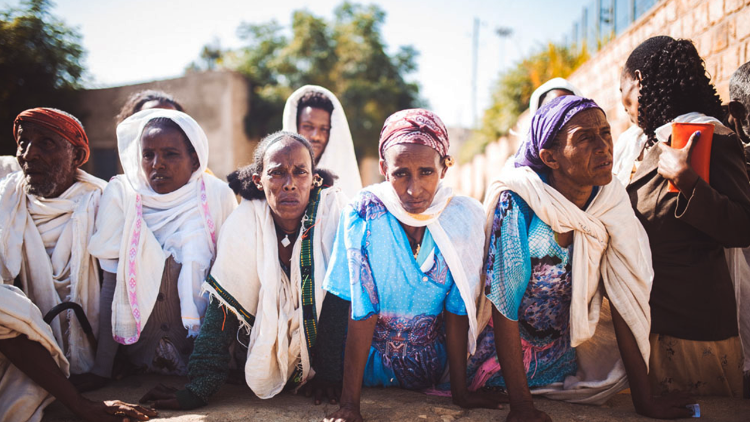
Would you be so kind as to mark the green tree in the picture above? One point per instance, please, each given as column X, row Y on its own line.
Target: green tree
column 208, row 59
column 346, row 55
column 40, row 64
column 513, row 91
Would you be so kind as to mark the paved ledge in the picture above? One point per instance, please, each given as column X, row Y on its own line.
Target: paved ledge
column 237, row 403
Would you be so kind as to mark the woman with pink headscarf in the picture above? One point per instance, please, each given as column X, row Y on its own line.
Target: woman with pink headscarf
column 408, row 255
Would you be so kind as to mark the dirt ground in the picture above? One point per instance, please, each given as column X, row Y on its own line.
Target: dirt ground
column 237, row 403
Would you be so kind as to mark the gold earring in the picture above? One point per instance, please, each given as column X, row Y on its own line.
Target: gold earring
column 260, row 187
column 317, row 181
column 449, row 161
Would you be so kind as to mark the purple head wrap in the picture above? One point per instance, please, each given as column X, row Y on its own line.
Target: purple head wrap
column 545, row 125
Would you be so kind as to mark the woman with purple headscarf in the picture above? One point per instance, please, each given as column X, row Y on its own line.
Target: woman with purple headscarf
column 561, row 236
column 408, row 256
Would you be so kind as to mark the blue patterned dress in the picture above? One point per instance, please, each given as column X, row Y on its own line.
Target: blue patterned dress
column 373, row 267
column 528, row 279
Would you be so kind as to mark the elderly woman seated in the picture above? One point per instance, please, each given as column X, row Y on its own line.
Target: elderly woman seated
column 408, row 256
column 155, row 240
column 267, row 282
column 562, row 236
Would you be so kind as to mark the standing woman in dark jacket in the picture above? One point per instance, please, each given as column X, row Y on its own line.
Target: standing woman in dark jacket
column 694, row 339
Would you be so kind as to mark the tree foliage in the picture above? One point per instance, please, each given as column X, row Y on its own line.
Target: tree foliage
column 513, row 92
column 40, row 63
column 347, row 55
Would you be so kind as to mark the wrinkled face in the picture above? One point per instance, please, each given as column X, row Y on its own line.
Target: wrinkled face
column 315, row 125
column 165, row 159
column 148, row 105
column 286, row 180
column 630, row 89
column 48, row 160
column 552, row 94
column 584, row 153
column 414, row 171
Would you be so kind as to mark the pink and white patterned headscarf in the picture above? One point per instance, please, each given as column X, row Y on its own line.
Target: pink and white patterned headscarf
column 414, row 126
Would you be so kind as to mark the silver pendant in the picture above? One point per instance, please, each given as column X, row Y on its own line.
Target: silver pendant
column 285, row 241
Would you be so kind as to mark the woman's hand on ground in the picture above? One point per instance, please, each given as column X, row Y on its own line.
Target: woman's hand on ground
column 163, row 397
column 481, row 399
column 527, row 414
column 113, row 411
column 672, row 406
column 322, row 389
column 88, row 382
column 345, row 414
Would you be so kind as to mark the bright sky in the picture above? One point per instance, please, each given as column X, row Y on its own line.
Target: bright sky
column 142, row 40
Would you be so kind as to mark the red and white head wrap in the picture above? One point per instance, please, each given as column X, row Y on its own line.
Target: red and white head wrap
column 414, row 126
column 57, row 122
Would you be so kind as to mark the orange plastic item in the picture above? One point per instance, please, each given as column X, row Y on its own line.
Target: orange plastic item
column 701, row 158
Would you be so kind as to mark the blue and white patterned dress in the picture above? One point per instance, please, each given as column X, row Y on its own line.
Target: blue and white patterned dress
column 373, row 267
column 528, row 279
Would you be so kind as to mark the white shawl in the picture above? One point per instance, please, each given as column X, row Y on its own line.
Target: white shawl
column 141, row 228
column 247, row 268
column 21, row 399
column 8, row 165
column 554, row 83
column 609, row 246
column 628, row 148
column 455, row 223
column 339, row 154
column 44, row 241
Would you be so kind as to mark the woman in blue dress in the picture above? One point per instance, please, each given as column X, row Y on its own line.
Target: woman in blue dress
column 562, row 236
column 408, row 256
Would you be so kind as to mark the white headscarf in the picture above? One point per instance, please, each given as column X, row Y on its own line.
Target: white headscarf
column 628, row 148
column 183, row 224
column 554, row 83
column 339, row 154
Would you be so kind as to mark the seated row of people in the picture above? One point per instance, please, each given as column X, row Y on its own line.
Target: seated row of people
column 563, row 285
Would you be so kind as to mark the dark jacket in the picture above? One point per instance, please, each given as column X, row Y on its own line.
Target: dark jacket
column 693, row 295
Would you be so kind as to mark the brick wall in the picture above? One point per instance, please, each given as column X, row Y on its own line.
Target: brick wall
column 720, row 30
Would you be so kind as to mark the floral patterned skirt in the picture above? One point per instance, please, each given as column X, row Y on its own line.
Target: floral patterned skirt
column 700, row 368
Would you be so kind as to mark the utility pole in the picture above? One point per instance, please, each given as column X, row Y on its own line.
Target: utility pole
column 503, row 32
column 474, row 60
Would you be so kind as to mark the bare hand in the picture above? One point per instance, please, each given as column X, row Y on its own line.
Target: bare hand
column 527, row 414
column 481, row 399
column 319, row 389
column 345, row 414
column 674, row 165
column 163, row 397
column 88, row 382
column 114, row 411
column 672, row 406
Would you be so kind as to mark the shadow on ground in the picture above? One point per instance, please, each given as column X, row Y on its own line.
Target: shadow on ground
column 237, row 403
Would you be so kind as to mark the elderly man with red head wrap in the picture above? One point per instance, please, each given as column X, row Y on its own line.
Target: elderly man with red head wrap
column 47, row 213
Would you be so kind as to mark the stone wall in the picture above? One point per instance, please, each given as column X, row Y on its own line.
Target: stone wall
column 720, row 30
column 218, row 101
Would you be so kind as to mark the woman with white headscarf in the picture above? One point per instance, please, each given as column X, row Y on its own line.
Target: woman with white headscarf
column 548, row 91
column 315, row 113
column 267, row 300
column 155, row 239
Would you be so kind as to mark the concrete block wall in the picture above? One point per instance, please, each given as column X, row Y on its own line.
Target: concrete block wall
column 720, row 30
